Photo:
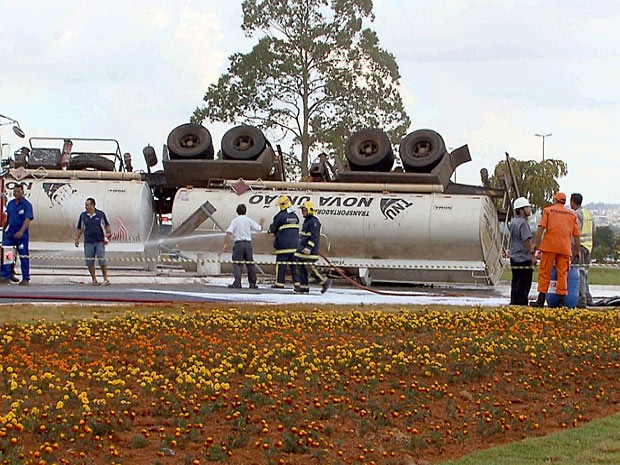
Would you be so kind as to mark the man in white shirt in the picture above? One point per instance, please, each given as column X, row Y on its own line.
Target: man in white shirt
column 240, row 233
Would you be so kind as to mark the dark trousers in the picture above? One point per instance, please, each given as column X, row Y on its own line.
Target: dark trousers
column 242, row 252
column 521, row 282
column 284, row 260
column 305, row 266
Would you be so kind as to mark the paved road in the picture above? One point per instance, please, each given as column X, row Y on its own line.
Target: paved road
column 115, row 293
column 131, row 286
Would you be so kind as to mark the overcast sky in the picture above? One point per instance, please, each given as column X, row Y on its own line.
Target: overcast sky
column 484, row 73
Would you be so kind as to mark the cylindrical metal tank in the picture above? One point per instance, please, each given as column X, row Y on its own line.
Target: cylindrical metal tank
column 397, row 237
column 57, row 204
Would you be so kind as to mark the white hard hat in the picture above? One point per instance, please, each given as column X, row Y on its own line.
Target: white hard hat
column 521, row 202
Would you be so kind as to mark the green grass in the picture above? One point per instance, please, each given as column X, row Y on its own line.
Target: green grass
column 598, row 443
column 601, row 276
column 609, row 276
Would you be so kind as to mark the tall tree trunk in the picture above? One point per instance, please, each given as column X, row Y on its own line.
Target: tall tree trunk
column 305, row 133
column 305, row 151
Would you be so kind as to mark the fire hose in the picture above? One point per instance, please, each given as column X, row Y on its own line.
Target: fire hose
column 361, row 286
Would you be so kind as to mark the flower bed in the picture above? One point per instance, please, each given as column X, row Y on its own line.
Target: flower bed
column 300, row 387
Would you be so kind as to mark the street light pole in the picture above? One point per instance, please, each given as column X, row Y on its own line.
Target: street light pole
column 543, row 139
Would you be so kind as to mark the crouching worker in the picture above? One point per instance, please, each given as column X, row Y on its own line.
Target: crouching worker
column 308, row 250
column 557, row 229
column 285, row 228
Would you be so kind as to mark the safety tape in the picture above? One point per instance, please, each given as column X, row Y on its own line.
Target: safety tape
column 179, row 260
column 591, row 265
column 319, row 263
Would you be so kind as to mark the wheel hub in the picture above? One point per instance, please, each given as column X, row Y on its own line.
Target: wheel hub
column 368, row 149
column 189, row 141
column 422, row 149
column 244, row 143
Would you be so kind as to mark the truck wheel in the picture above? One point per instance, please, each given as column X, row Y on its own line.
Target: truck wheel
column 190, row 141
column 421, row 150
column 243, row 143
column 92, row 161
column 369, row 150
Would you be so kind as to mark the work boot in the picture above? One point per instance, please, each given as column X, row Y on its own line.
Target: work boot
column 325, row 285
column 561, row 300
column 14, row 279
column 540, row 302
column 24, row 282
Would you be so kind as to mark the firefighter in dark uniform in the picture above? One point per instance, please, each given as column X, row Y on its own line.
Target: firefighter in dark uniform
column 308, row 250
column 285, row 227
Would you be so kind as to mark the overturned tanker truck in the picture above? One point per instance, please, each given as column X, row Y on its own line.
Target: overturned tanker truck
column 409, row 225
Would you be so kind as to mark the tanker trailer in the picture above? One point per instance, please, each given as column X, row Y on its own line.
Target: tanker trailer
column 58, row 197
column 57, row 204
column 402, row 237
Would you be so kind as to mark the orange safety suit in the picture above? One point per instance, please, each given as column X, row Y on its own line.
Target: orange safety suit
column 561, row 226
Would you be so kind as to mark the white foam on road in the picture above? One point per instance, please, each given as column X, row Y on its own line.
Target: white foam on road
column 333, row 297
column 350, row 296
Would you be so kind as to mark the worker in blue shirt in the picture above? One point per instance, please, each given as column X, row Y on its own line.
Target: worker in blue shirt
column 19, row 214
column 96, row 228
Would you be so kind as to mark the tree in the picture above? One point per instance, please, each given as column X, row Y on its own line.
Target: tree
column 537, row 181
column 316, row 74
column 604, row 243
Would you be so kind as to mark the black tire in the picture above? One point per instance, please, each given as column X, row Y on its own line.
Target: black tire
column 209, row 154
column 150, row 157
column 421, row 150
column 91, row 161
column 190, row 141
column 243, row 143
column 369, row 150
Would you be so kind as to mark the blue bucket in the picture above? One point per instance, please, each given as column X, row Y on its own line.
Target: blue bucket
column 571, row 299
